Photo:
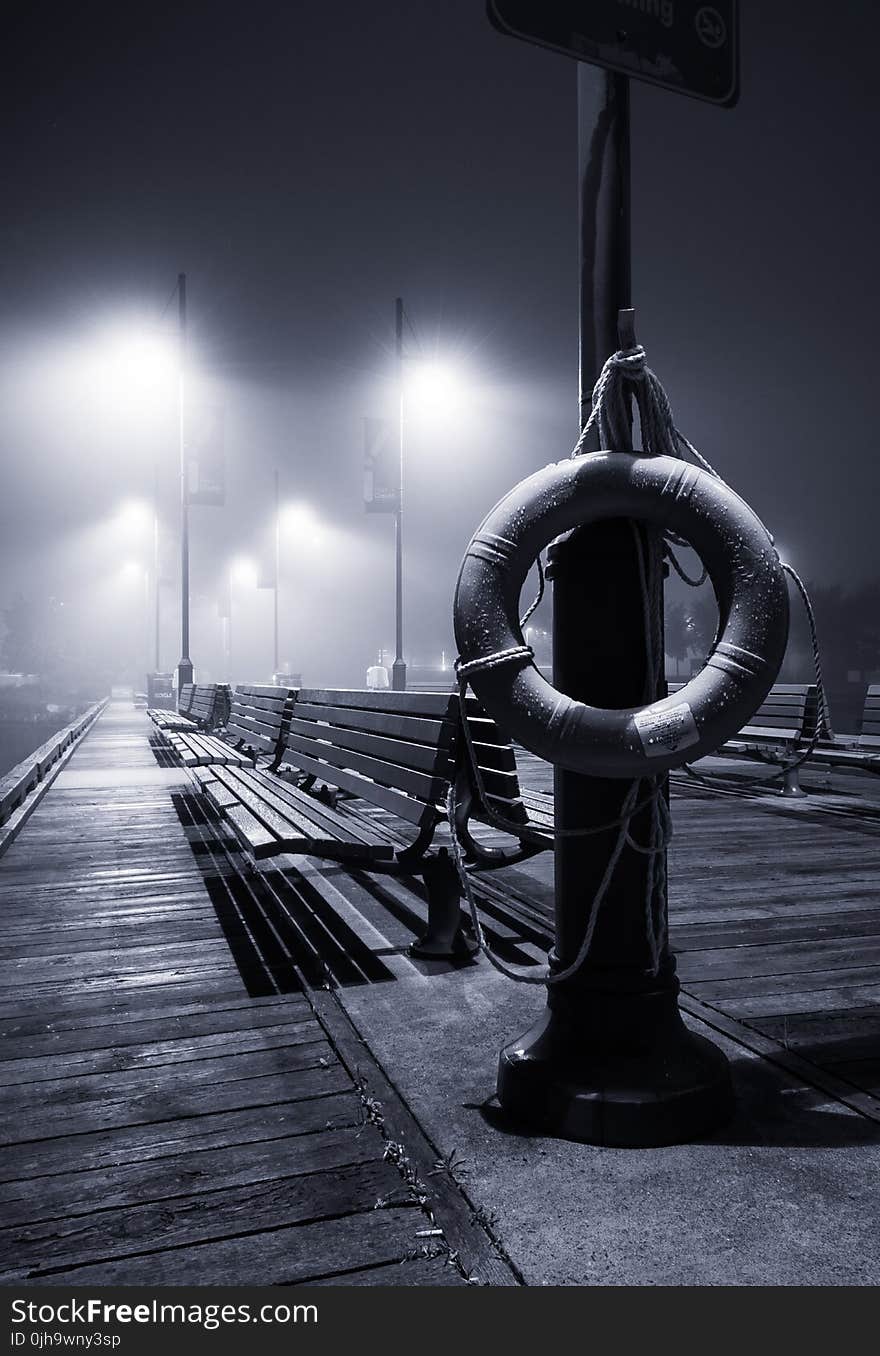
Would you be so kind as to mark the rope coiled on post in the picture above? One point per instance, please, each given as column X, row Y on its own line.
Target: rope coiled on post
column 624, row 377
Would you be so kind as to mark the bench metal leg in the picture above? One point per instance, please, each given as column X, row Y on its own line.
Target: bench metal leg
column 445, row 938
column 791, row 786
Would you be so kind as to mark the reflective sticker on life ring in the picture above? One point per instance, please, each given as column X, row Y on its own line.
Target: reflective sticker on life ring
column 666, row 731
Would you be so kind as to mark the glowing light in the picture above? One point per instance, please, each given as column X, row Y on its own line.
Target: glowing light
column 139, row 362
column 134, row 517
column 127, row 369
column 243, row 571
column 435, row 388
column 131, row 571
column 301, row 522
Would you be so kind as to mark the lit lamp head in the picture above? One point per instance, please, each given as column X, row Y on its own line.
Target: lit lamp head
column 301, row 523
column 435, row 387
column 243, row 572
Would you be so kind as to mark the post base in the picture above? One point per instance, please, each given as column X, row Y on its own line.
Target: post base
column 398, row 676
column 669, row 1089
column 791, row 786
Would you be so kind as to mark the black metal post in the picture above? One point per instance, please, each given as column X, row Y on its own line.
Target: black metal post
column 611, row 1061
column 277, row 569
column 398, row 669
column 157, row 583
column 184, row 666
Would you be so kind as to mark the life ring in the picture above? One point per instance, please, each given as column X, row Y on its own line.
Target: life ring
column 741, row 561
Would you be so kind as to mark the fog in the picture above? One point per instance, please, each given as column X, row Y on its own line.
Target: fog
column 305, row 170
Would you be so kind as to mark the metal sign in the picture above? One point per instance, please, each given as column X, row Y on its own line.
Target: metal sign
column 683, row 45
column 381, row 467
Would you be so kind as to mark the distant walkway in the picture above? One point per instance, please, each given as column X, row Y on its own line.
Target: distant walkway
column 168, row 1120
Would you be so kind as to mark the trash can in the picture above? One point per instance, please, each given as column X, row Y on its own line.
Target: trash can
column 160, row 691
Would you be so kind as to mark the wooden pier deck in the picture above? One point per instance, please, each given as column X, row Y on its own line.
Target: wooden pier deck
column 174, row 1112
column 185, row 1101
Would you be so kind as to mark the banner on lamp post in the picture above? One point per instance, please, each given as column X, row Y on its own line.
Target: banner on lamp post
column 381, row 467
column 205, row 457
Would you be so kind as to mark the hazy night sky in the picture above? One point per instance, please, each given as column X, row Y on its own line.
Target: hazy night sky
column 306, row 163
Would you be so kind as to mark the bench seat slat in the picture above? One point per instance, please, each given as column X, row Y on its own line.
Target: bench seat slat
column 286, row 796
column 252, row 835
column 295, row 828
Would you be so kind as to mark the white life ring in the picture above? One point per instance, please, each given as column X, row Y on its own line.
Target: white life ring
column 742, row 564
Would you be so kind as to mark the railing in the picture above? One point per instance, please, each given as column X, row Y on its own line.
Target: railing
column 26, row 776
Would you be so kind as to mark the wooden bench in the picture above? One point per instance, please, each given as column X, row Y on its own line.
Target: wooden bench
column 175, row 720
column 860, row 752
column 255, row 725
column 397, row 752
column 779, row 731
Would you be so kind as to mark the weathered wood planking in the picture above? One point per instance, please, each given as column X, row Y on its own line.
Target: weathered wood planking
column 158, row 1120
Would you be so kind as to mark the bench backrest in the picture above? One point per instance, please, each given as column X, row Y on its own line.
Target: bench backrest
column 209, row 704
column 184, row 700
column 495, row 756
column 259, row 716
column 788, row 712
column 393, row 749
column 870, row 736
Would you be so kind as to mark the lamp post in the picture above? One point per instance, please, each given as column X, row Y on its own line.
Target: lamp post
column 398, row 669
column 156, row 575
column 184, row 666
column 276, row 579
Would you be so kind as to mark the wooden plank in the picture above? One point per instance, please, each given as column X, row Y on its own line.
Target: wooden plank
column 416, row 812
column 117, row 1187
column 39, row 1248
column 69, row 1037
column 371, row 771
column 286, row 1255
column 324, row 828
column 412, row 1271
column 65, row 1118
column 399, row 725
column 274, row 785
column 147, row 1054
column 441, row 704
column 253, row 835
column 102, row 1150
column 402, row 753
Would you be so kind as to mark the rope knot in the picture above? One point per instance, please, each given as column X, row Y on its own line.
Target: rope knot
column 630, row 361
column 492, row 661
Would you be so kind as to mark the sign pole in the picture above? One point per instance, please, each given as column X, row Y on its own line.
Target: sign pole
column 184, row 667
column 610, row 1061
